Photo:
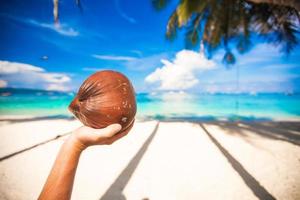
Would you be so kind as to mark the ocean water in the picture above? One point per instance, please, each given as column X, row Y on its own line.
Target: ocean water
column 163, row 106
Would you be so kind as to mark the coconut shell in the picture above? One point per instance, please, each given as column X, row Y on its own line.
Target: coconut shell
column 104, row 98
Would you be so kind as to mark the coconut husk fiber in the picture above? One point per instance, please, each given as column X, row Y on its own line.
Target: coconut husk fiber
column 104, row 98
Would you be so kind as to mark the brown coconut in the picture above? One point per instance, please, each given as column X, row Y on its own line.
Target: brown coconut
column 104, row 98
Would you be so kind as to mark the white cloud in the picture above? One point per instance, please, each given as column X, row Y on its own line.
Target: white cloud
column 62, row 29
column 7, row 67
column 254, row 56
column 3, row 83
column 123, row 14
column 55, row 78
column 137, row 52
column 112, row 57
column 146, row 63
column 57, row 87
column 180, row 74
column 29, row 76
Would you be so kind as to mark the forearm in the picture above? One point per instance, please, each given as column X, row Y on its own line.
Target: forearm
column 61, row 178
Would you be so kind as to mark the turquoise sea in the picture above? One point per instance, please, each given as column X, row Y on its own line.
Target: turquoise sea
column 163, row 105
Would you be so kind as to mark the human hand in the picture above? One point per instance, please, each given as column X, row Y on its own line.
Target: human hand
column 85, row 136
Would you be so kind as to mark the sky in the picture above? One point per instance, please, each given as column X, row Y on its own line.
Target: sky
column 126, row 36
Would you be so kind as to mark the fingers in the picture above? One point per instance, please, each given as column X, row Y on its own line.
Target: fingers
column 107, row 135
column 119, row 135
column 108, row 131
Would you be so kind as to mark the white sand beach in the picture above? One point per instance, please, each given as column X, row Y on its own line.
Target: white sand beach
column 159, row 161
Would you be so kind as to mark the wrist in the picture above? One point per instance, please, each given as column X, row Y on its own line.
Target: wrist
column 76, row 144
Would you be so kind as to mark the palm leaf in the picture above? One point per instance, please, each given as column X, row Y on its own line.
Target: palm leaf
column 160, row 4
column 235, row 21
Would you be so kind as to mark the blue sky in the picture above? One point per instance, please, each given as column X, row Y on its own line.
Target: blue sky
column 127, row 36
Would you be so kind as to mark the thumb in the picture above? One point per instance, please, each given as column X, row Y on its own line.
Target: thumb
column 109, row 131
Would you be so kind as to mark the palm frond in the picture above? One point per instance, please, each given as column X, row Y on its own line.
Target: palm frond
column 159, row 4
column 172, row 26
column 234, row 22
column 79, row 5
column 192, row 36
column 229, row 58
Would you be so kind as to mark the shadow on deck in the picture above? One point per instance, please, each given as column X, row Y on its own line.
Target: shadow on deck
column 258, row 190
column 284, row 131
column 115, row 190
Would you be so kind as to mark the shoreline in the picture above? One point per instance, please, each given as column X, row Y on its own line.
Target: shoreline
column 208, row 118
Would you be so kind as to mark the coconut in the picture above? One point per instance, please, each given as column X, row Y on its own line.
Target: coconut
column 105, row 98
